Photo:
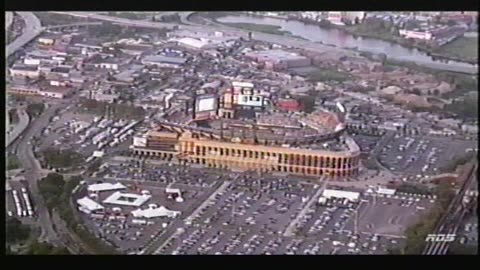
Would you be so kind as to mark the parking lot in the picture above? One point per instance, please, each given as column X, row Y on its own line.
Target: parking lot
column 422, row 155
column 18, row 202
column 64, row 132
column 242, row 213
column 389, row 215
column 365, row 142
column 117, row 225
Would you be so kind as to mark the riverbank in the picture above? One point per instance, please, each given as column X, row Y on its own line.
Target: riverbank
column 462, row 51
column 460, row 48
column 264, row 28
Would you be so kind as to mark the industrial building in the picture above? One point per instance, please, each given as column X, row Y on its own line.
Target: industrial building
column 278, row 59
column 25, row 71
column 200, row 40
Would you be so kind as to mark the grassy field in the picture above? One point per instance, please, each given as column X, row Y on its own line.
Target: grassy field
column 264, row 28
column 12, row 162
column 464, row 47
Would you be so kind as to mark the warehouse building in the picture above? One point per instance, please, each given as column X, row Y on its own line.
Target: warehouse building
column 279, row 59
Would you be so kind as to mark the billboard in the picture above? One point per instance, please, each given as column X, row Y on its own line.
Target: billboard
column 206, row 103
column 139, row 141
column 250, row 100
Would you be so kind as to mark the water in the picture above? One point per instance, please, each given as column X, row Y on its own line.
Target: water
column 343, row 40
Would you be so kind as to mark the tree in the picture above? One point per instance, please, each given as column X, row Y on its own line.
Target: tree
column 16, row 231
column 62, row 158
column 41, row 248
column 307, row 103
column 357, row 20
column 35, row 109
column 416, row 91
column 51, row 188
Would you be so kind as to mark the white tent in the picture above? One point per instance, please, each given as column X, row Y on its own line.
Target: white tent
column 155, row 212
column 127, row 199
column 350, row 195
column 173, row 190
column 105, row 187
column 386, row 191
column 88, row 205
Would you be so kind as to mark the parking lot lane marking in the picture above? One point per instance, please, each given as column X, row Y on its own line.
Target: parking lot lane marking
column 292, row 225
column 222, row 188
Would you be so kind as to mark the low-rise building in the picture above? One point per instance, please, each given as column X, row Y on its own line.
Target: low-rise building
column 25, row 71
column 55, row 92
column 289, row 105
column 163, row 61
column 278, row 59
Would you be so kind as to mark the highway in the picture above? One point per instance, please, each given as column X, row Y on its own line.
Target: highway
column 33, row 173
column 32, row 29
column 454, row 215
column 22, row 124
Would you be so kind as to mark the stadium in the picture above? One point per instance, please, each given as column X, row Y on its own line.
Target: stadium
column 239, row 128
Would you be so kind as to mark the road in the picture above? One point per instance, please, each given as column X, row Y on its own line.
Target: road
column 33, row 28
column 22, row 124
column 33, row 173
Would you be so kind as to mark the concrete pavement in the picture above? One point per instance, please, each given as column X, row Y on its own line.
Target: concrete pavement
column 22, row 124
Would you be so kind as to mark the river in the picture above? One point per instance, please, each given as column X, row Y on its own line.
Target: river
column 344, row 40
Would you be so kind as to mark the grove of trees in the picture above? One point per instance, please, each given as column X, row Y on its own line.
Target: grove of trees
column 61, row 158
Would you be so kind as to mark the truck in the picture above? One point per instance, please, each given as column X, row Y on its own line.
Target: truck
column 139, row 221
column 322, row 200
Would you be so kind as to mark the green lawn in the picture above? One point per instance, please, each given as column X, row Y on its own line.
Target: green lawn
column 264, row 28
column 464, row 47
column 12, row 162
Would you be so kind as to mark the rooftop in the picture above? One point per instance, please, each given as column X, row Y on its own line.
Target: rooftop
column 105, row 187
column 278, row 55
column 164, row 59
